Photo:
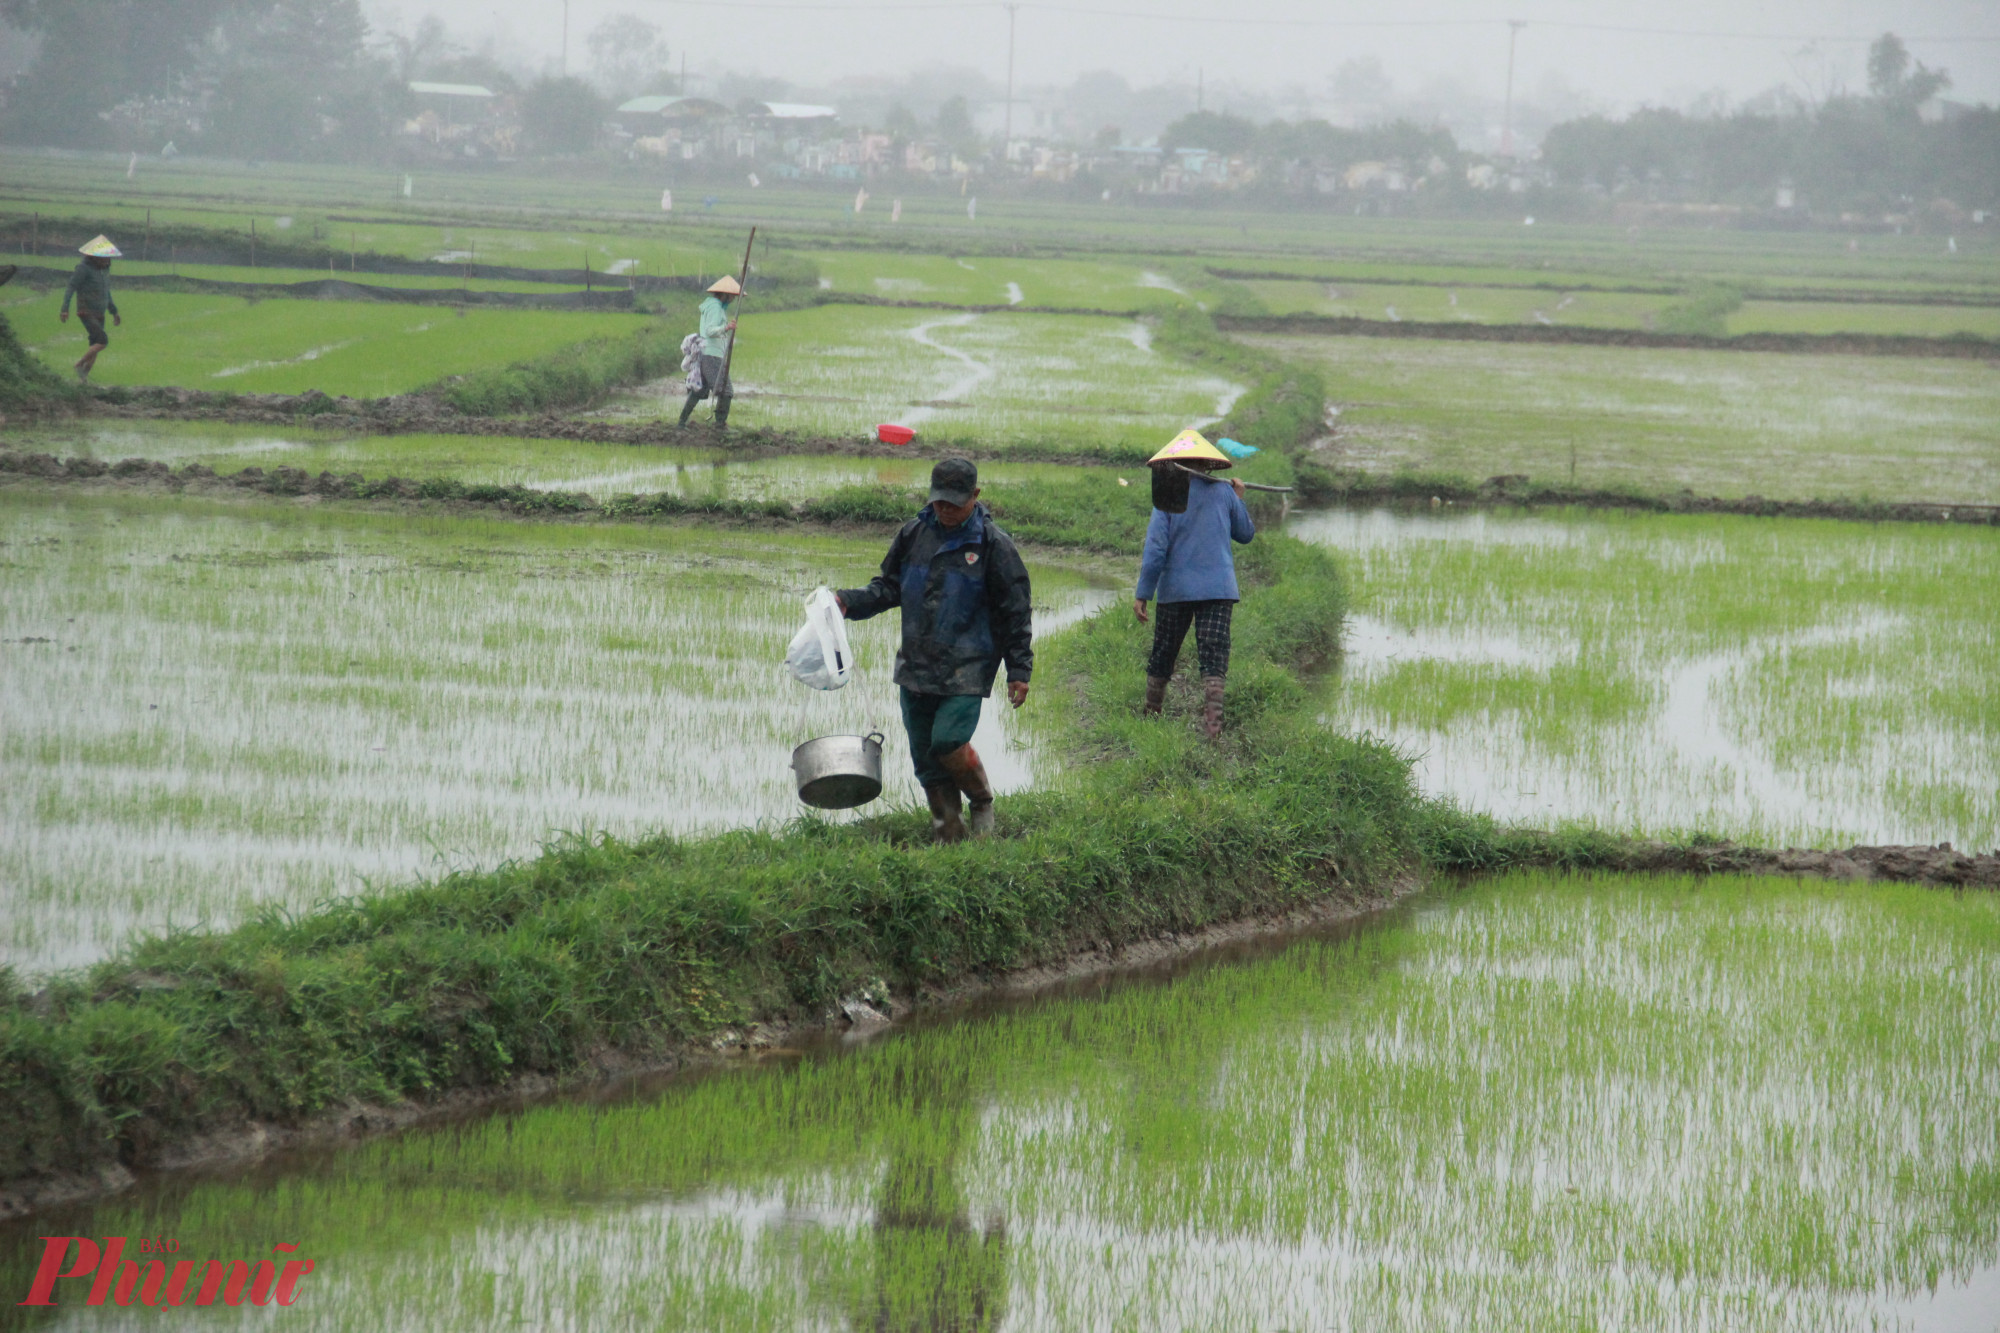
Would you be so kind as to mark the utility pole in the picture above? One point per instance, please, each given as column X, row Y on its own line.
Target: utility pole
column 565, row 41
column 1008, row 133
column 1198, row 87
column 1514, row 27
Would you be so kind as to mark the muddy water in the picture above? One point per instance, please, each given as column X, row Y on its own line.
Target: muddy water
column 203, row 708
column 1780, row 682
column 1673, row 1105
column 601, row 470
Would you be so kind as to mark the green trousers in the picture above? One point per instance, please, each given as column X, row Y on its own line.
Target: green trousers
column 937, row 724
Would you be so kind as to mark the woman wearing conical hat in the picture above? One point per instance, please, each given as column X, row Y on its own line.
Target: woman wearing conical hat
column 718, row 326
column 90, row 286
column 1189, row 569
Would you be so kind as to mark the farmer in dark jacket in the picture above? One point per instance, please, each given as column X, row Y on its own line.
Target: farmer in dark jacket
column 90, row 286
column 964, row 595
column 1189, row 569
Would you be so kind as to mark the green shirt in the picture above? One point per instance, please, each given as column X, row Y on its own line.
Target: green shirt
column 91, row 286
column 714, row 327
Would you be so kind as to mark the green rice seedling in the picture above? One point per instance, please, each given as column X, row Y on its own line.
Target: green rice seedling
column 231, row 345
column 1653, row 420
column 1675, row 1104
column 215, row 705
column 1467, row 303
column 1939, row 320
column 1797, row 682
column 1116, row 284
column 1050, row 384
column 600, row 470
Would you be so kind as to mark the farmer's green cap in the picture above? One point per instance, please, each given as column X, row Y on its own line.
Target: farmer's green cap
column 954, row 480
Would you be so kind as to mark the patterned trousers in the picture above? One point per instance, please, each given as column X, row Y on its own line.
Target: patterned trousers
column 1211, row 635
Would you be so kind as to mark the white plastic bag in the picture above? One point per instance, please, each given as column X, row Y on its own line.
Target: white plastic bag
column 819, row 654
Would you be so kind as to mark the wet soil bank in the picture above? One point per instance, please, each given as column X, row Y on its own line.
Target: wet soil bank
column 860, row 1016
column 853, row 1018
column 1351, row 488
column 1826, row 344
column 1817, row 295
column 147, row 474
column 605, row 297
column 1941, row 866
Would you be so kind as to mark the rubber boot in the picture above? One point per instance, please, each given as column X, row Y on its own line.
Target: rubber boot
column 687, row 408
column 970, row 775
column 946, row 826
column 722, row 403
column 1156, row 695
column 1211, row 707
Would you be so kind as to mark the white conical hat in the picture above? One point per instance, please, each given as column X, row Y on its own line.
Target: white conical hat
column 100, row 247
column 726, row 286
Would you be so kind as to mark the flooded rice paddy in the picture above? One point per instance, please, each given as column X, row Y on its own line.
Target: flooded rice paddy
column 1801, row 683
column 601, row 470
column 1537, row 1103
column 230, row 344
column 1783, row 426
column 1055, row 383
column 206, row 706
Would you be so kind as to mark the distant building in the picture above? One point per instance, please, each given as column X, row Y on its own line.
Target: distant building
column 465, row 119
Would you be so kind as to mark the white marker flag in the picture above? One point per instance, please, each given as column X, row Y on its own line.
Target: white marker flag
column 896, row 211
column 972, row 207
column 666, row 201
column 860, row 198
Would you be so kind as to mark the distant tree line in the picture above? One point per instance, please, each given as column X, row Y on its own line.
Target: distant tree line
column 1870, row 152
column 280, row 79
column 253, row 78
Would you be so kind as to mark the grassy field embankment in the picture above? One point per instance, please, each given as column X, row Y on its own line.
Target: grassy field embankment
column 26, row 385
column 606, row 946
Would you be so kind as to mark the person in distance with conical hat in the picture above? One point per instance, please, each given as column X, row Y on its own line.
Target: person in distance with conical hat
column 90, row 286
column 718, row 327
column 1189, row 570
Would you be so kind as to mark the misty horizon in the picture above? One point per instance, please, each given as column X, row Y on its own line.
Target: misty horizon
column 1449, row 68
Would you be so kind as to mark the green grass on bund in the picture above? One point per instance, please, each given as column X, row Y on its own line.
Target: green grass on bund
column 596, row 945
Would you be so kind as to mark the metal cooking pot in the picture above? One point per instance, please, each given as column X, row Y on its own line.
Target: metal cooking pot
column 839, row 772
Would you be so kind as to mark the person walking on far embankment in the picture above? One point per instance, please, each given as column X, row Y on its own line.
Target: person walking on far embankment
column 90, row 287
column 964, row 594
column 718, row 327
column 1189, row 569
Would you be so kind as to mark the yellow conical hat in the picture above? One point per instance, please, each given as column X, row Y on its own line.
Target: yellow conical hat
column 1190, row 447
column 101, row 248
column 726, row 286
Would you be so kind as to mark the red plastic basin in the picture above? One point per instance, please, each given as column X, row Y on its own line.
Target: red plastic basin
column 894, row 434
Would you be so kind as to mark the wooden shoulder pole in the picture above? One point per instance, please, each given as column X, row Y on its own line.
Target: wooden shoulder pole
column 743, row 281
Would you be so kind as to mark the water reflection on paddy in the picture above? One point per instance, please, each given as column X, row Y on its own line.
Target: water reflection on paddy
column 1650, row 1104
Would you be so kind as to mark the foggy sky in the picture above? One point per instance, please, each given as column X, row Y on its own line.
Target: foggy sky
column 815, row 43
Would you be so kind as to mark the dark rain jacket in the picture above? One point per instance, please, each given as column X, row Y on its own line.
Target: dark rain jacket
column 91, row 286
column 965, row 604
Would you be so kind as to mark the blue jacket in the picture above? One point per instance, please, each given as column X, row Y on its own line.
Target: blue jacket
column 1187, row 555
column 965, row 602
